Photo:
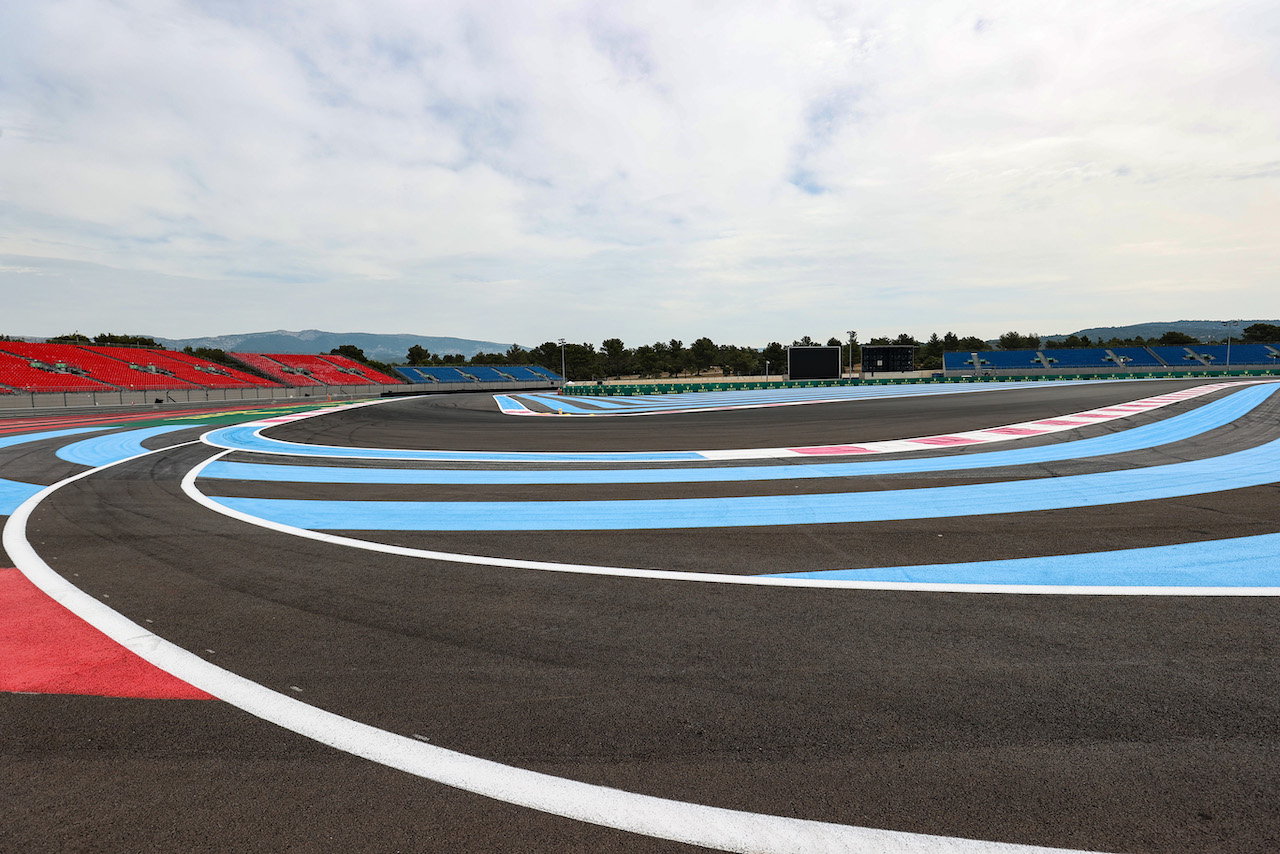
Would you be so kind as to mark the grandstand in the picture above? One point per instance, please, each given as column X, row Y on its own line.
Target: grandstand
column 35, row 375
column 478, row 374
column 991, row 360
column 1135, row 357
column 1218, row 355
column 134, row 372
column 298, row 370
column 88, row 364
column 1214, row 357
column 351, row 366
column 189, row 369
column 284, row 374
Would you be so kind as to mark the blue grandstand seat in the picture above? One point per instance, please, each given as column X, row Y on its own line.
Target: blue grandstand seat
column 1249, row 354
column 1137, row 357
column 545, row 374
column 446, row 375
column 488, row 374
column 1185, row 357
column 993, row 359
column 964, row 362
column 413, row 374
column 520, row 372
column 1088, row 357
column 477, row 373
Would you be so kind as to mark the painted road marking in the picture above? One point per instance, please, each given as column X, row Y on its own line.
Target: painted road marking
column 1237, row 470
column 713, row 401
column 101, row 450
column 248, row 437
column 13, row 493
column 694, row 824
column 1002, row 584
column 1213, row 415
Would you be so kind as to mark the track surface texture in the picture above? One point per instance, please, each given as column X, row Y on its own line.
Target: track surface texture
column 1121, row 721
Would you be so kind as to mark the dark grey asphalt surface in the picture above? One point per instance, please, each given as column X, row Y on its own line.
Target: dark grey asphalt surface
column 1143, row 724
column 471, row 421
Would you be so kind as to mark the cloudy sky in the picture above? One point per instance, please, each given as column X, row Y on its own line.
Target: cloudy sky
column 523, row 171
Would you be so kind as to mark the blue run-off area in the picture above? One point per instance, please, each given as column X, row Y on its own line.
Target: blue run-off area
column 1238, row 562
column 1211, row 416
column 1238, row 470
column 13, row 492
column 101, row 450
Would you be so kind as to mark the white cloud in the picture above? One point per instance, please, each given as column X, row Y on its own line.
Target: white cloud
column 746, row 170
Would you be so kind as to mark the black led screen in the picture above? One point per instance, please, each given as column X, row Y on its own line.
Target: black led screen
column 888, row 359
column 813, row 363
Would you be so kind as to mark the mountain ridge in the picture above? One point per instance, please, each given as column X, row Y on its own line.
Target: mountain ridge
column 1201, row 329
column 378, row 346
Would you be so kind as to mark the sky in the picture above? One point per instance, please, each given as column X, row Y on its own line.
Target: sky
column 749, row 171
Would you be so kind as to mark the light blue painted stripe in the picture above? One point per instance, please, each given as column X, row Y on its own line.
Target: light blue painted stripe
column 754, row 397
column 101, row 450
column 24, row 438
column 1238, row 562
column 508, row 404
column 600, row 402
column 13, row 493
column 1178, row 428
column 1238, row 470
column 243, row 438
column 567, row 404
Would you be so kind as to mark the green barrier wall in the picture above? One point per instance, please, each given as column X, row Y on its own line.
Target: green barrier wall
column 638, row 389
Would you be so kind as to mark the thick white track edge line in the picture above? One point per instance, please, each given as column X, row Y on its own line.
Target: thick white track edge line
column 695, row 824
column 189, row 487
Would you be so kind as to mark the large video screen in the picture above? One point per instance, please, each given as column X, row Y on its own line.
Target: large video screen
column 813, row 363
column 894, row 358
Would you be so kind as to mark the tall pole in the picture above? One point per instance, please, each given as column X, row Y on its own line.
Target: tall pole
column 1229, row 324
column 852, row 334
column 562, row 370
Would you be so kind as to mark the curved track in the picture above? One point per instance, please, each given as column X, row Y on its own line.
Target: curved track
column 750, row 628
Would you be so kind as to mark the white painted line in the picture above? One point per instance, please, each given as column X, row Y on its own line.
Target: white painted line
column 693, row 824
column 189, row 487
column 859, row 449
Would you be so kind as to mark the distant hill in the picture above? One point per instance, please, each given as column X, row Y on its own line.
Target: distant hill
column 382, row 348
column 1195, row 328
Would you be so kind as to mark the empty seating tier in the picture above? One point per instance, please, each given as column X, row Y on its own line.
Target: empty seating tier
column 1120, row 359
column 319, row 369
column 17, row 373
column 1137, row 357
column 371, row 376
column 1196, row 356
column 1097, row 359
column 284, row 374
column 225, row 370
column 94, row 365
column 190, row 369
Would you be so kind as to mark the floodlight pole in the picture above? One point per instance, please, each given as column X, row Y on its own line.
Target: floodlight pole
column 564, row 375
column 1229, row 324
column 766, row 370
column 852, row 334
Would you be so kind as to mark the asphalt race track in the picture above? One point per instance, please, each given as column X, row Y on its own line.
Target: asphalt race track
column 979, row 618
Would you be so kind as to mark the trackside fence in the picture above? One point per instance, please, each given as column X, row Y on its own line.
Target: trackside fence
column 636, row 389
